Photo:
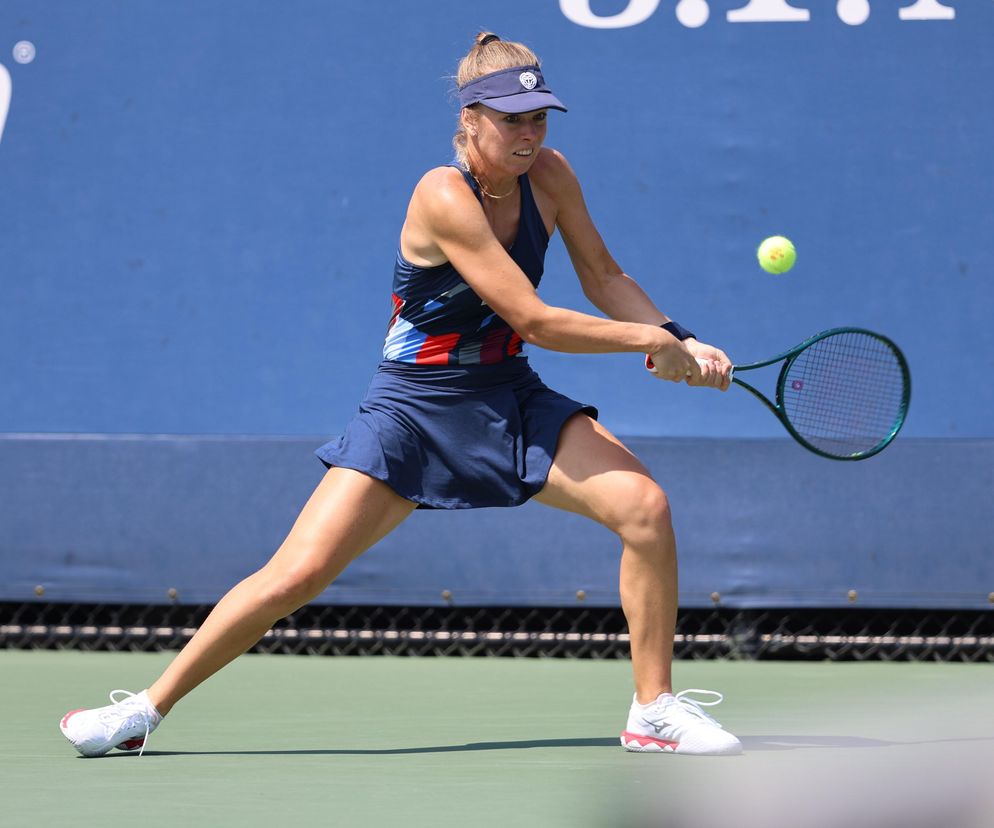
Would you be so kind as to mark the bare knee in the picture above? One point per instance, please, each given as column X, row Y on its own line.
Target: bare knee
column 285, row 593
column 642, row 516
column 287, row 587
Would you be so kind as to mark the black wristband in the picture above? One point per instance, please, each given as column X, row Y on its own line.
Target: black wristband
column 677, row 330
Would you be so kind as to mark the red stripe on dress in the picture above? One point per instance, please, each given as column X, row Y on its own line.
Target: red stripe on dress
column 514, row 346
column 398, row 306
column 492, row 349
column 436, row 349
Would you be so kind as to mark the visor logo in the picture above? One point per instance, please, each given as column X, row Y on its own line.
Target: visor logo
column 528, row 80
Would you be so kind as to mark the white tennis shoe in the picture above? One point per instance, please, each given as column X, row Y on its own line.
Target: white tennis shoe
column 124, row 725
column 678, row 724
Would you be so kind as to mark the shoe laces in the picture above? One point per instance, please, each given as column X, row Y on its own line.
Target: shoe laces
column 131, row 709
column 695, row 707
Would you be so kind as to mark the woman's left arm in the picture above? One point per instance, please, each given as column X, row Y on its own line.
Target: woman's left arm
column 604, row 283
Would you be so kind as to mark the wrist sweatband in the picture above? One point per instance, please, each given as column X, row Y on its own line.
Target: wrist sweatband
column 677, row 330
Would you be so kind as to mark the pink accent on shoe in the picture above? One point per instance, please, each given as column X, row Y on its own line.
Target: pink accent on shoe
column 65, row 718
column 131, row 744
column 644, row 741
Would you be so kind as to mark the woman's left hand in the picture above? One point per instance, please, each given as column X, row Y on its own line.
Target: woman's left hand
column 716, row 368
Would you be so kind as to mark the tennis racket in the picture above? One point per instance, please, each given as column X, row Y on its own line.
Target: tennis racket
column 843, row 393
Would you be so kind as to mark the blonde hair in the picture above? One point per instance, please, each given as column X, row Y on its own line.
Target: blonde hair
column 482, row 59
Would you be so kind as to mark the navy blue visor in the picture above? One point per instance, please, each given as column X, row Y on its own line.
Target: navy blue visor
column 516, row 90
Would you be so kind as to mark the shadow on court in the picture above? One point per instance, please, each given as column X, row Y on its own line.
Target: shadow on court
column 750, row 744
column 526, row 744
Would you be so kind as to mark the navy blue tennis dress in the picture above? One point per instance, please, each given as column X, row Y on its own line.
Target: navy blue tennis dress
column 454, row 417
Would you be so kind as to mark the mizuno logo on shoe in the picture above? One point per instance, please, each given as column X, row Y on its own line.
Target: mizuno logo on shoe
column 657, row 725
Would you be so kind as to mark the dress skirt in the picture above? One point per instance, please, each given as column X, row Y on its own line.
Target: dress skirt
column 456, row 437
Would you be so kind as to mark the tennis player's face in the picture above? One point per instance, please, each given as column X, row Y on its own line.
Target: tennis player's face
column 509, row 143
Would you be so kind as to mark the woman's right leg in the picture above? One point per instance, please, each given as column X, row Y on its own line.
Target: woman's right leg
column 347, row 514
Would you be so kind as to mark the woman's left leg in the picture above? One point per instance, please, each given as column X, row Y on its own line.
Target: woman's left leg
column 593, row 474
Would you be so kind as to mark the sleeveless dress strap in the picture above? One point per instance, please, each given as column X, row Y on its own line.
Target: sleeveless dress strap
column 473, row 184
column 531, row 222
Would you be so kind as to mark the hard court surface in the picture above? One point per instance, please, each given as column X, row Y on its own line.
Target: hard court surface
column 383, row 741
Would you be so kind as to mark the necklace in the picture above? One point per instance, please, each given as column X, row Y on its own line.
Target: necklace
column 487, row 192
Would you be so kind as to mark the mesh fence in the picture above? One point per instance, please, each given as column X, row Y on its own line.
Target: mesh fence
column 848, row 634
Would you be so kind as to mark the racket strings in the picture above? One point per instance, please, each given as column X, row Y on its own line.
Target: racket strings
column 836, row 406
column 845, row 394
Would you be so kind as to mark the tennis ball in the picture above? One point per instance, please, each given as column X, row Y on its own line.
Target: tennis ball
column 776, row 254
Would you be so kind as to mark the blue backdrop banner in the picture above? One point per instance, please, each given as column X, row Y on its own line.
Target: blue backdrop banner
column 200, row 208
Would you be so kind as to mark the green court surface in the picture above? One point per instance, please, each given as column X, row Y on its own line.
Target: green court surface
column 381, row 741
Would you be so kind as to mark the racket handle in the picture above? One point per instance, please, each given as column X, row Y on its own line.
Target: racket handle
column 730, row 370
column 651, row 368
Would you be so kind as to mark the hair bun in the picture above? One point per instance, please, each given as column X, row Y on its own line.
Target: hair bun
column 489, row 37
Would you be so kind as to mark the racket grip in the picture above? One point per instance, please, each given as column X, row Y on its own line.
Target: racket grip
column 731, row 370
column 651, row 368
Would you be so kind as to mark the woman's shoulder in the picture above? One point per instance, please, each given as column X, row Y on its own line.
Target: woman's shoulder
column 441, row 199
column 443, row 176
column 551, row 171
column 443, row 183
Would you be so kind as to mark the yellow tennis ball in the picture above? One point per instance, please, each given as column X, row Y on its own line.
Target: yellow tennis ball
column 776, row 254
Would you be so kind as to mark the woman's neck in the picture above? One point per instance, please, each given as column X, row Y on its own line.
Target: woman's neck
column 496, row 187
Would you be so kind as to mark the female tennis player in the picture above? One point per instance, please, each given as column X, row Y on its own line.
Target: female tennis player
column 455, row 418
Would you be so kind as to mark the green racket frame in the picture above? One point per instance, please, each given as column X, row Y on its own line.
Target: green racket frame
column 789, row 356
